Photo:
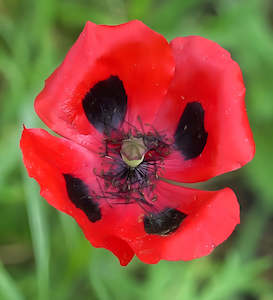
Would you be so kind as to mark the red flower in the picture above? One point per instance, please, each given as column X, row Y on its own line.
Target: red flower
column 133, row 111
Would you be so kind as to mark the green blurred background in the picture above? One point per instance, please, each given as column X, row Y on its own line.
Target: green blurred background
column 43, row 253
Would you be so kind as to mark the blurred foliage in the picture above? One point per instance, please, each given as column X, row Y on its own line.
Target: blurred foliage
column 43, row 253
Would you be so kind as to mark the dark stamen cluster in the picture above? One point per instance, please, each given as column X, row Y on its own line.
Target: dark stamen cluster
column 124, row 183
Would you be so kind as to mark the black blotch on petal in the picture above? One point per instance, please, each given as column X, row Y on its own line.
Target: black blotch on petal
column 105, row 104
column 164, row 222
column 79, row 194
column 191, row 136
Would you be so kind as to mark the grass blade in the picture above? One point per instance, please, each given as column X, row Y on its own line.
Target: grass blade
column 39, row 233
column 8, row 288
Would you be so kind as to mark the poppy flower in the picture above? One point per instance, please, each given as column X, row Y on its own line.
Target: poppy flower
column 135, row 113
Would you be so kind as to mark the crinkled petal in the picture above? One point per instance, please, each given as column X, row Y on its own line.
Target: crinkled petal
column 131, row 55
column 48, row 159
column 207, row 84
column 210, row 218
column 64, row 169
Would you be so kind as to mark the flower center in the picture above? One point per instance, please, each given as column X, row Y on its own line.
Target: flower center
column 133, row 151
column 131, row 163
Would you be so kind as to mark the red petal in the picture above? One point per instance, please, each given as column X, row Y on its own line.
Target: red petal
column 47, row 158
column 140, row 57
column 205, row 73
column 212, row 217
